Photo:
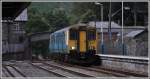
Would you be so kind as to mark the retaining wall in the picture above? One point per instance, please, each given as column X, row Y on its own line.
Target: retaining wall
column 138, row 65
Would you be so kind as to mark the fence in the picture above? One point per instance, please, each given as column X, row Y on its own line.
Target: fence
column 130, row 46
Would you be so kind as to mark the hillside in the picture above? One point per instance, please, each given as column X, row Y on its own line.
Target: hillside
column 44, row 7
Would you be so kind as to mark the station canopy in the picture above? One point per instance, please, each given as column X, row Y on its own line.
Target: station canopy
column 10, row 10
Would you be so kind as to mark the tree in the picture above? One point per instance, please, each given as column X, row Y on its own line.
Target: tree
column 57, row 19
column 88, row 16
column 36, row 25
column 47, row 21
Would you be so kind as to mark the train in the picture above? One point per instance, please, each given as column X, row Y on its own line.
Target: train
column 76, row 44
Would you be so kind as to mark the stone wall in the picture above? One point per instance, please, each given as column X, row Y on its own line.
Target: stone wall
column 130, row 64
column 130, row 46
column 136, row 47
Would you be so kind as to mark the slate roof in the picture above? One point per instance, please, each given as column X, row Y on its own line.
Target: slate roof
column 23, row 16
column 104, row 24
column 134, row 33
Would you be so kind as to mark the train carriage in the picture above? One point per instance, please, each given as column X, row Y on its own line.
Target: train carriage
column 75, row 44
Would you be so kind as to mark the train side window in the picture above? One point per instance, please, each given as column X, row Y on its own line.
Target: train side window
column 73, row 35
column 54, row 42
column 91, row 35
column 51, row 44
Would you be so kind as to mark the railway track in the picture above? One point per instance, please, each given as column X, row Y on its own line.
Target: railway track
column 5, row 73
column 12, row 71
column 59, row 71
column 86, row 71
column 104, row 70
column 100, row 70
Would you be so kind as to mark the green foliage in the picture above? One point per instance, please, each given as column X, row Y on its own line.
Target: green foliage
column 88, row 16
column 40, row 48
column 48, row 21
column 57, row 19
column 41, row 21
column 36, row 25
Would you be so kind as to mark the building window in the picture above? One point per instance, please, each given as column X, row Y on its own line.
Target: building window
column 16, row 27
column 20, row 39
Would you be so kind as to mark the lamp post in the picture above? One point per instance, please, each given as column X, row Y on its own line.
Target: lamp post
column 112, row 15
column 126, row 8
column 102, row 40
column 122, row 31
column 97, row 3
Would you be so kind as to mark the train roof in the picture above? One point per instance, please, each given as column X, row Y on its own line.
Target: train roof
column 72, row 26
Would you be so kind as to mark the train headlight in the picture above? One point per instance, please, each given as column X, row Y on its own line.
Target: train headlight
column 73, row 48
column 92, row 47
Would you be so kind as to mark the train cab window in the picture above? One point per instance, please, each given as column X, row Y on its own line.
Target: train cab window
column 73, row 35
column 91, row 35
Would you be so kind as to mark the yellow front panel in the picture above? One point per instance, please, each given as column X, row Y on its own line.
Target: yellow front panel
column 82, row 41
column 72, row 44
column 92, row 44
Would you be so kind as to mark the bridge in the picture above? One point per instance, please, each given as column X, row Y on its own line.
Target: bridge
column 40, row 36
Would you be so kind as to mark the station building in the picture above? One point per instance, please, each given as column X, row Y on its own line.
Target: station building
column 13, row 33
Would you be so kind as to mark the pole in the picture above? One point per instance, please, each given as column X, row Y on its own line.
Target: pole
column 101, row 12
column 122, row 31
column 135, row 17
column 109, row 29
column 102, row 42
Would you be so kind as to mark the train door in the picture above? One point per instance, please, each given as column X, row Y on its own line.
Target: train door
column 82, row 41
column 91, row 41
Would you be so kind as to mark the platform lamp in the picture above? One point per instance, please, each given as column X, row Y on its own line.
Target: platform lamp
column 123, row 46
column 113, row 14
column 102, row 40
